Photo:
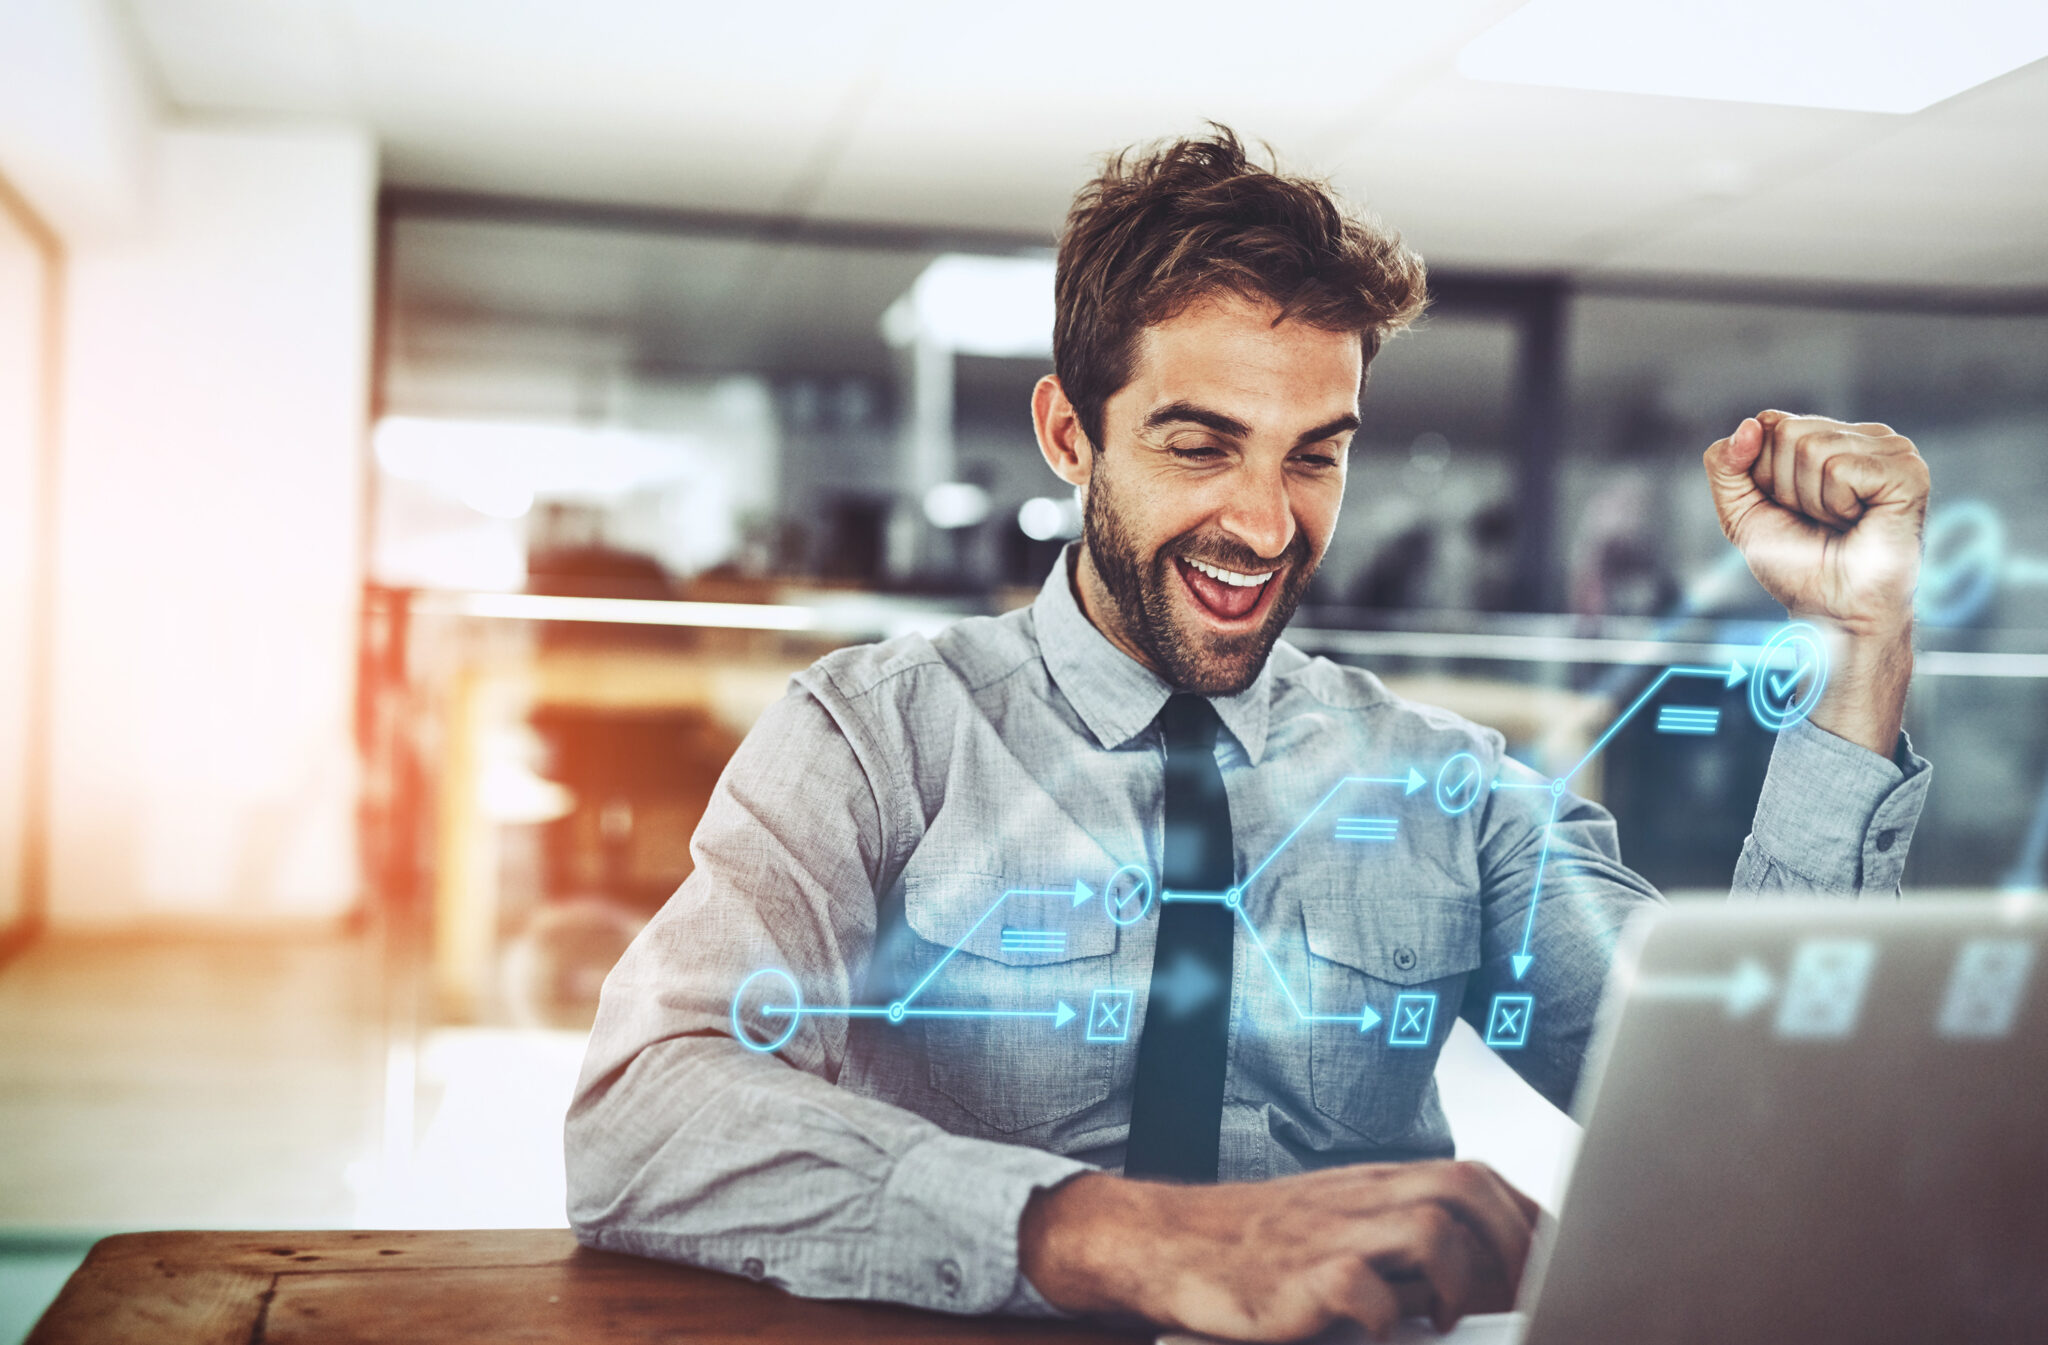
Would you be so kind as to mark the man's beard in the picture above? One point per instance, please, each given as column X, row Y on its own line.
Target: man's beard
column 1139, row 588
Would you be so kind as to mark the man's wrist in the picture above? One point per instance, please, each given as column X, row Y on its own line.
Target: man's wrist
column 1865, row 700
column 1073, row 1240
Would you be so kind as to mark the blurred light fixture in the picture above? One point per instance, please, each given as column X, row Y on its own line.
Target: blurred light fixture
column 1855, row 55
column 955, row 504
column 972, row 305
column 1042, row 519
column 501, row 495
column 478, row 461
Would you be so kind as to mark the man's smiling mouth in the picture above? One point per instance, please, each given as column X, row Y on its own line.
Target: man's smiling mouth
column 1224, row 595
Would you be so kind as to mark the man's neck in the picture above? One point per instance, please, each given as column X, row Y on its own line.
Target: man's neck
column 1092, row 595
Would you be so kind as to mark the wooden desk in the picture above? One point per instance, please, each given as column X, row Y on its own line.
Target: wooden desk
column 426, row 1287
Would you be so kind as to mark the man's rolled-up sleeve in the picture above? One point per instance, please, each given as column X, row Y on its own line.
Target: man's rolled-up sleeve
column 1834, row 819
column 683, row 1144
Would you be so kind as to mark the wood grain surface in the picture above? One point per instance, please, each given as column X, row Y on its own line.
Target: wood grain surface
column 521, row 1285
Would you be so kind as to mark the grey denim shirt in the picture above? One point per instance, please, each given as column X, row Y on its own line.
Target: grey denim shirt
column 862, row 841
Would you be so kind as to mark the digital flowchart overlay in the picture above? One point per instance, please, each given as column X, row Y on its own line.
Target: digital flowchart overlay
column 1985, row 989
column 1825, row 987
column 1786, row 678
column 1508, row 1020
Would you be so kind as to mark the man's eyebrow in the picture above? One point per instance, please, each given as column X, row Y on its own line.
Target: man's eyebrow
column 1343, row 424
column 1175, row 413
column 1188, row 413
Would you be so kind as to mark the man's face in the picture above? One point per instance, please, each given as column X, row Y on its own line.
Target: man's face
column 1213, row 497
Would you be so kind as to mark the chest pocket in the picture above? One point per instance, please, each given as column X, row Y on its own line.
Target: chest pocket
column 1406, row 957
column 1000, row 969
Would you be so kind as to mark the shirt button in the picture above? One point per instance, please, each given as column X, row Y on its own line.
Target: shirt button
column 949, row 1275
column 1886, row 838
column 752, row 1268
column 1404, row 958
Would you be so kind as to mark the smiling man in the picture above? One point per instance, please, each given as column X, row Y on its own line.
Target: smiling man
column 843, row 1057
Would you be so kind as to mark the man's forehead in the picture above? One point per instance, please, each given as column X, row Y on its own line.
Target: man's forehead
column 1227, row 355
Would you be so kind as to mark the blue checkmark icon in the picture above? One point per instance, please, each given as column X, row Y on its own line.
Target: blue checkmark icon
column 1777, row 699
column 1458, row 783
column 1782, row 684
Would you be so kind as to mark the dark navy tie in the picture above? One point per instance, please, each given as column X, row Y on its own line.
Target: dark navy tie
column 1177, row 1105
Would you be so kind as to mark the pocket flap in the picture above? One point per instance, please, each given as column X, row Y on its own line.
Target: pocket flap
column 1002, row 920
column 1405, row 942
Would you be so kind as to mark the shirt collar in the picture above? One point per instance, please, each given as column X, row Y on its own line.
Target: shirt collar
column 1116, row 696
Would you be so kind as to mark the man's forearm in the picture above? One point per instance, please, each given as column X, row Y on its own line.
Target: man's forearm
column 1865, row 700
column 702, row 1152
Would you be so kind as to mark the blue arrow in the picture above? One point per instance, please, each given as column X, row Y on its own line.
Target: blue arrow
column 1415, row 781
column 1367, row 1019
column 1062, row 1014
column 1741, row 992
column 1522, row 959
column 1736, row 672
column 1082, row 892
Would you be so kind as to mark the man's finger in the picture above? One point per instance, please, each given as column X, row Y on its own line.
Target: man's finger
column 1849, row 481
column 1473, row 1192
column 1812, row 475
column 1728, row 463
column 1427, row 1239
column 1365, row 1298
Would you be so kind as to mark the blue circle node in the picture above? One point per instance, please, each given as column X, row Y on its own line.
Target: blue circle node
column 1965, row 553
column 896, row 1012
column 794, row 1008
column 1128, row 903
column 1459, row 784
column 1775, row 698
column 1232, row 898
column 1557, row 789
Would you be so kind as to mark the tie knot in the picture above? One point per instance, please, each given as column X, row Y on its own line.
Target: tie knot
column 1189, row 723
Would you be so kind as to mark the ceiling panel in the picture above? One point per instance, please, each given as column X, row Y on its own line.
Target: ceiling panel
column 924, row 112
column 1957, row 194
column 987, row 122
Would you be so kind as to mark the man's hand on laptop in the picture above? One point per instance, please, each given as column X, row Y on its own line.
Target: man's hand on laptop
column 1829, row 515
column 1282, row 1259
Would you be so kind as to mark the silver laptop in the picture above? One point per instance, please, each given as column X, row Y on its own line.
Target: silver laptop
column 1812, row 1122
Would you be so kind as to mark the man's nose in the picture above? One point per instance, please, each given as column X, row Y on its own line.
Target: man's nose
column 1259, row 513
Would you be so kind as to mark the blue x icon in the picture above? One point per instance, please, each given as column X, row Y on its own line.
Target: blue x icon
column 1414, row 1019
column 1109, row 1015
column 1507, row 1023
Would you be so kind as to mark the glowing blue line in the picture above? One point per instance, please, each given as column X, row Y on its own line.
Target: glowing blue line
column 1013, row 892
column 1520, row 784
column 1271, row 965
column 1289, row 838
column 825, row 1010
column 1615, row 727
column 1677, row 670
column 980, row 1013
column 1195, row 896
column 882, row 1011
column 1536, row 892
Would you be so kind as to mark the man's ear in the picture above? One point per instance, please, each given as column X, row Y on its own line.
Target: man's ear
column 1060, row 436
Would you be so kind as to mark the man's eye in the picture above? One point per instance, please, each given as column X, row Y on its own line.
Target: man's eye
column 1319, row 461
column 1196, row 452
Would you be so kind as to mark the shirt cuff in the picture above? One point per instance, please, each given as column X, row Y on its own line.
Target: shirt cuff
column 1839, row 816
column 949, row 1221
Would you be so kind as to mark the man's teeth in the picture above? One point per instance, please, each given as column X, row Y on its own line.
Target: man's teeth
column 1223, row 576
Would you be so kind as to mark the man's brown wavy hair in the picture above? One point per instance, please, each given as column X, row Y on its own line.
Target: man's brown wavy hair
column 1166, row 225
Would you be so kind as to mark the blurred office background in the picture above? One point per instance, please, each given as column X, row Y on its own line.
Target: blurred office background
column 431, row 431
